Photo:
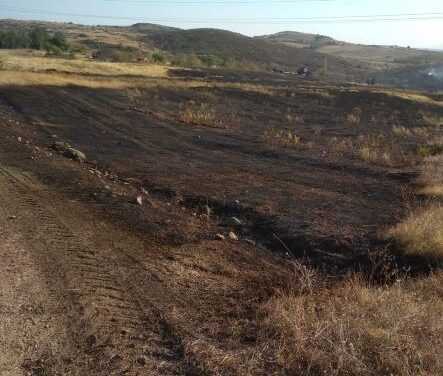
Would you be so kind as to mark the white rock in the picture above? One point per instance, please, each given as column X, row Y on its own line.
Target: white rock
column 220, row 237
column 233, row 236
column 139, row 200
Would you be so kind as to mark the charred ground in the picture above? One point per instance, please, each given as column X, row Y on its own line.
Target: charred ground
column 309, row 176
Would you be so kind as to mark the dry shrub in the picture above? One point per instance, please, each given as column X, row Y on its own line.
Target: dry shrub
column 431, row 178
column 199, row 114
column 375, row 149
column 355, row 329
column 401, row 131
column 376, row 156
column 432, row 119
column 281, row 137
column 354, row 117
column 341, row 147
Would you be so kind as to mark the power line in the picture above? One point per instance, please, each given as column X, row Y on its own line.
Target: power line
column 255, row 20
column 217, row 2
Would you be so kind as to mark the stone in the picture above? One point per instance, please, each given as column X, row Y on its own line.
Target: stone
column 220, row 237
column 233, row 236
column 74, row 154
column 60, row 146
column 139, row 200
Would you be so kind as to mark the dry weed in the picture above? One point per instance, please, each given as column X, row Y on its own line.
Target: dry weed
column 421, row 233
column 354, row 117
column 281, row 137
column 199, row 114
column 356, row 329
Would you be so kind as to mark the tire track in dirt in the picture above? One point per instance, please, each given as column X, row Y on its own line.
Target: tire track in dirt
column 119, row 333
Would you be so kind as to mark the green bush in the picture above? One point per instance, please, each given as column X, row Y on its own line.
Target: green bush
column 158, row 58
column 36, row 38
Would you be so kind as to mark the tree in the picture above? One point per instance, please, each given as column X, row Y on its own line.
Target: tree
column 59, row 41
column 39, row 38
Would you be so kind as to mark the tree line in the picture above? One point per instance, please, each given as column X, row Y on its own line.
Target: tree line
column 36, row 38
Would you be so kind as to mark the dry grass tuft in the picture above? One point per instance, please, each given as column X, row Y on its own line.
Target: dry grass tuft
column 422, row 233
column 281, row 137
column 430, row 150
column 375, row 149
column 355, row 329
column 374, row 155
column 433, row 119
column 200, row 114
column 432, row 190
column 354, row 117
column 431, row 178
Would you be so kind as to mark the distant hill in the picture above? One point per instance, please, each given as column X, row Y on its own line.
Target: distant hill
column 148, row 27
column 375, row 57
column 264, row 53
column 301, row 40
column 284, row 51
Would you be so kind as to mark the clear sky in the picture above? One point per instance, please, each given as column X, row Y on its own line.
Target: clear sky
column 252, row 17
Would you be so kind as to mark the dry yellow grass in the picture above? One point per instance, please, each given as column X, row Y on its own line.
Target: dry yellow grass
column 281, row 137
column 432, row 190
column 356, row 329
column 409, row 95
column 199, row 114
column 21, row 62
column 51, row 79
column 431, row 179
column 354, row 117
column 422, row 232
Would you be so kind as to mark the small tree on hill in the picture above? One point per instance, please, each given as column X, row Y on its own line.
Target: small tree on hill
column 39, row 38
column 58, row 40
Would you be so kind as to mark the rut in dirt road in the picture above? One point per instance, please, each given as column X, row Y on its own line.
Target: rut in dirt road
column 117, row 332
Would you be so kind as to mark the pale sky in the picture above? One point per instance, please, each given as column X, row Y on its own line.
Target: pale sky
column 253, row 17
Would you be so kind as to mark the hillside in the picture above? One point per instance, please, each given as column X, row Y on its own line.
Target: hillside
column 301, row 40
column 285, row 51
column 229, row 45
column 376, row 56
column 228, row 48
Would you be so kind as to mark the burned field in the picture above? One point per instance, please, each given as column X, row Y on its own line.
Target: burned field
column 220, row 215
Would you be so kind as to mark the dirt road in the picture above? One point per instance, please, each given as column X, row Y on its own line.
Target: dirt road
column 70, row 301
